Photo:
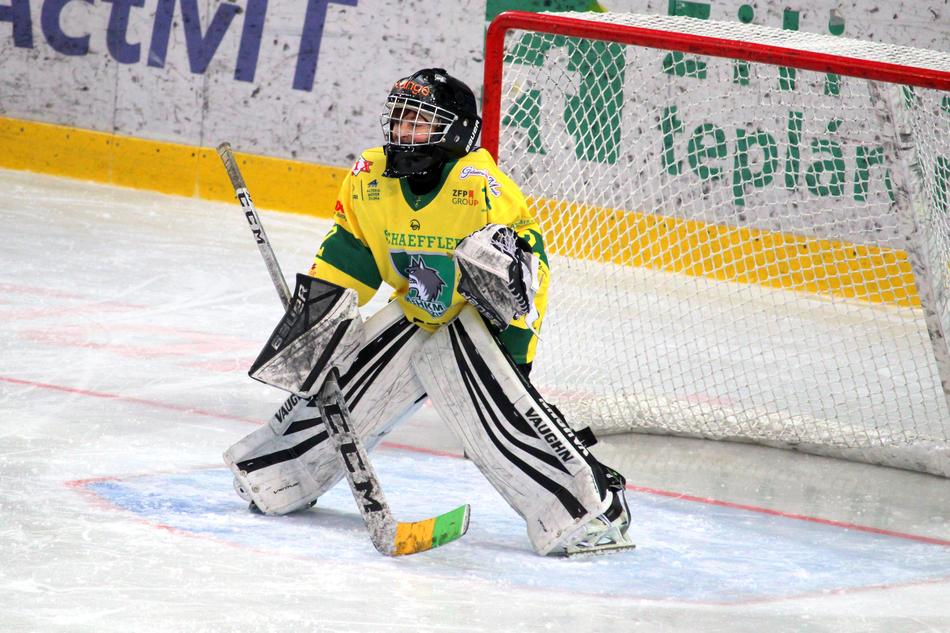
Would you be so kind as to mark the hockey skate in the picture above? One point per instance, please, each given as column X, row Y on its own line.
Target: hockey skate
column 606, row 532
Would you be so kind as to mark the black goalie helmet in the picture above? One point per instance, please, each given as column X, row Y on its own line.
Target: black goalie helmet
column 430, row 118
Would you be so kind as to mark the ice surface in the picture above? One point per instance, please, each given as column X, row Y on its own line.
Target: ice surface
column 708, row 561
column 127, row 322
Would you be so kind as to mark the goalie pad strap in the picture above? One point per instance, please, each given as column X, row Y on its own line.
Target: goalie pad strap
column 585, row 435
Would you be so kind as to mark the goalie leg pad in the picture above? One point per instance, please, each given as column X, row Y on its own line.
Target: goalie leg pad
column 322, row 328
column 519, row 442
column 272, row 465
column 287, row 464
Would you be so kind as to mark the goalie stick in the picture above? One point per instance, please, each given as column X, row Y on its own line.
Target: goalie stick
column 389, row 536
column 254, row 221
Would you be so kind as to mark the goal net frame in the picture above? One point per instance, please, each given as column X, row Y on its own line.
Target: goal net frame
column 683, row 36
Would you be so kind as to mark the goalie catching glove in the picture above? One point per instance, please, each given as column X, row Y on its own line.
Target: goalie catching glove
column 498, row 274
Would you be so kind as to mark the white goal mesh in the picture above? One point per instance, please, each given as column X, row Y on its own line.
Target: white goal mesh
column 739, row 250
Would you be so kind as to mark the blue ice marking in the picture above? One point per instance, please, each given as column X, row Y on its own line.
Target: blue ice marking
column 685, row 550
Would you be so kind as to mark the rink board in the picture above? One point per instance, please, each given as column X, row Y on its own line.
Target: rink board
column 687, row 551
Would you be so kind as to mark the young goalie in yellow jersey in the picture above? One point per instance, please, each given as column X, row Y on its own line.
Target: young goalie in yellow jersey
column 395, row 231
column 434, row 217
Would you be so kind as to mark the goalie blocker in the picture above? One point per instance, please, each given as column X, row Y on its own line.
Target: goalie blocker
column 321, row 328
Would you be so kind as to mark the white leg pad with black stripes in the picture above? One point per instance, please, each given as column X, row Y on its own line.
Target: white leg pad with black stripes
column 289, row 462
column 524, row 447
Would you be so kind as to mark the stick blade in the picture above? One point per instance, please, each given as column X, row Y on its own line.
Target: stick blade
column 421, row 536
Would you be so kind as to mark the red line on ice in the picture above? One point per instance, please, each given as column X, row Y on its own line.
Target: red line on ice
column 787, row 515
column 653, row 491
column 112, row 396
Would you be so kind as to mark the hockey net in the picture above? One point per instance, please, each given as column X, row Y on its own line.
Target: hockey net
column 748, row 229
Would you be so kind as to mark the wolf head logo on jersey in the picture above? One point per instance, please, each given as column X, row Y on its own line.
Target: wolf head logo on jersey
column 430, row 277
column 424, row 280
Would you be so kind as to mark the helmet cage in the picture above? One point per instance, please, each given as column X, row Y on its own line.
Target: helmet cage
column 401, row 109
column 431, row 118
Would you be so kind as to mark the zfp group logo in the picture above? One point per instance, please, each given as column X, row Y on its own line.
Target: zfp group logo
column 465, row 197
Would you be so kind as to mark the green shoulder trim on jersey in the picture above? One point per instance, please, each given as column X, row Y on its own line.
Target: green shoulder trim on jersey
column 537, row 245
column 329, row 272
column 516, row 340
column 418, row 202
column 343, row 251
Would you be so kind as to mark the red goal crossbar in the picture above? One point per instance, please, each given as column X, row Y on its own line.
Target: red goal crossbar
column 682, row 42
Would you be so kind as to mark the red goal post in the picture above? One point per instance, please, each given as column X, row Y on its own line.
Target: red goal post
column 779, row 273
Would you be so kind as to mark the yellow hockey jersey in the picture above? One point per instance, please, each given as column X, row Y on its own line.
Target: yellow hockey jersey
column 384, row 232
